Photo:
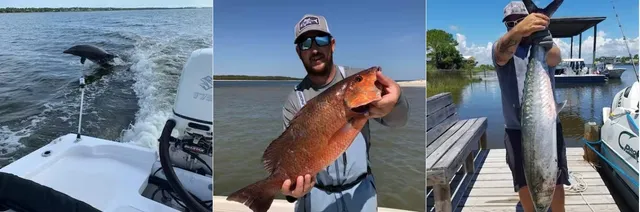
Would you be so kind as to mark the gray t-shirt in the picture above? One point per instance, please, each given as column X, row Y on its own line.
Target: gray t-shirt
column 511, row 79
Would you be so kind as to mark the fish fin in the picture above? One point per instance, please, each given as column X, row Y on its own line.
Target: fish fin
column 273, row 152
column 560, row 106
column 82, row 59
column 257, row 196
column 349, row 131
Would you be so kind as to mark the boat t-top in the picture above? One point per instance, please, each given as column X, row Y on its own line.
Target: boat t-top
column 76, row 172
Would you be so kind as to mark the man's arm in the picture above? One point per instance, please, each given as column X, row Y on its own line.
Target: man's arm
column 554, row 56
column 506, row 46
column 398, row 116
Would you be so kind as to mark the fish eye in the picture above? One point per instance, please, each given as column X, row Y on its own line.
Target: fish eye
column 358, row 78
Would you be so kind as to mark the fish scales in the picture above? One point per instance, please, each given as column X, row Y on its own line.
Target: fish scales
column 539, row 139
column 317, row 135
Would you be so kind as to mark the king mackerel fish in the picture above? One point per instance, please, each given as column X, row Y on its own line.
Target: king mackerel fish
column 318, row 134
column 539, row 114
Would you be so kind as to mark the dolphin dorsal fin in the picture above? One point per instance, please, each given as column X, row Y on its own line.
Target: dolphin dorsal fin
column 82, row 59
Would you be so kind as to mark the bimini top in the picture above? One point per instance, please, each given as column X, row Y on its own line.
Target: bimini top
column 565, row 27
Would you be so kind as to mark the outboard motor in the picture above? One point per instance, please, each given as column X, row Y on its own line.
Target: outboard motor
column 192, row 148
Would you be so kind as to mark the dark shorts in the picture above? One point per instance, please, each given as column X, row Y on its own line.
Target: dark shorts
column 513, row 145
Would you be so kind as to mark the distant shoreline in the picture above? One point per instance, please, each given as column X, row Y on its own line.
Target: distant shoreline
column 85, row 9
column 410, row 83
column 256, row 80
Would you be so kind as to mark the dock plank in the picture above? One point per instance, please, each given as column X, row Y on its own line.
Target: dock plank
column 493, row 187
column 567, row 208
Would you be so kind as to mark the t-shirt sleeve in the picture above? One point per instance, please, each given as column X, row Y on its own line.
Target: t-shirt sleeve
column 399, row 114
column 289, row 109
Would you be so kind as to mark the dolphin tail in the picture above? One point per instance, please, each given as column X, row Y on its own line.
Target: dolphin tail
column 82, row 59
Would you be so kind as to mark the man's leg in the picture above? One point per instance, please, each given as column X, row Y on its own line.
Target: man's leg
column 557, row 204
column 525, row 199
column 513, row 146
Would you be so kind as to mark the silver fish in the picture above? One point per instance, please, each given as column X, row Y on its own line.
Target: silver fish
column 539, row 114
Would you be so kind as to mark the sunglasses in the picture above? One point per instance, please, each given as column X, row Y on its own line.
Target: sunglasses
column 321, row 40
column 511, row 24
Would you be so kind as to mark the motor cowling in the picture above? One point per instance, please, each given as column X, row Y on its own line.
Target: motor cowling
column 193, row 114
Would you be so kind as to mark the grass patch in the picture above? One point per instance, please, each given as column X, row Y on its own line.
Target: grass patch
column 453, row 81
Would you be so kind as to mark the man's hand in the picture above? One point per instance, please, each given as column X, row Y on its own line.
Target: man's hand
column 532, row 23
column 303, row 186
column 390, row 95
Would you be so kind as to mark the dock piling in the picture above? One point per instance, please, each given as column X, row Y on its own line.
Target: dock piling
column 591, row 134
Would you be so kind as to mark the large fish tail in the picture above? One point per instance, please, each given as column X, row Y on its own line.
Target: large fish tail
column 257, row 196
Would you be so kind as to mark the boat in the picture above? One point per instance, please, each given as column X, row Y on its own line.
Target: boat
column 620, row 144
column 572, row 66
column 76, row 170
column 574, row 70
column 610, row 71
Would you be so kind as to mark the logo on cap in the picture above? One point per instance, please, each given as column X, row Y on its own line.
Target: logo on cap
column 308, row 21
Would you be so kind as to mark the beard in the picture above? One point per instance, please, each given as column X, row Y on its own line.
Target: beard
column 324, row 72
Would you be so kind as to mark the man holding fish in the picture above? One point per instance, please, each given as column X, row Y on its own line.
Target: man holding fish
column 509, row 56
column 347, row 184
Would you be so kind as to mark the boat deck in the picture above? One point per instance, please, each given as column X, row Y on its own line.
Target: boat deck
column 492, row 189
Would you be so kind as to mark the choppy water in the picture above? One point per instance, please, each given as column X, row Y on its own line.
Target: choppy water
column 248, row 116
column 39, row 95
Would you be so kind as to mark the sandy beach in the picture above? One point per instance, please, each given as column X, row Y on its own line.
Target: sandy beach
column 413, row 83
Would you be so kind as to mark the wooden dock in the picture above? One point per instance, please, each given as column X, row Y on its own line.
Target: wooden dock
column 492, row 188
column 221, row 204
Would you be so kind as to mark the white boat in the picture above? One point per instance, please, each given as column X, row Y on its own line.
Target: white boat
column 619, row 135
column 572, row 66
column 119, row 177
column 612, row 72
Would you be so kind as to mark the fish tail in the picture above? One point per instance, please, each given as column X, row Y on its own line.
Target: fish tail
column 257, row 196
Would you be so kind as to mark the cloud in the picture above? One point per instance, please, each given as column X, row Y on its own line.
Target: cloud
column 605, row 46
column 482, row 54
column 454, row 28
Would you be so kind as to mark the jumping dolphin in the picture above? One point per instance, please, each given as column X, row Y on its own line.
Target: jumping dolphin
column 93, row 53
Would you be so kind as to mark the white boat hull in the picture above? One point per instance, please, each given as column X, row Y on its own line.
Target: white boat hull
column 619, row 136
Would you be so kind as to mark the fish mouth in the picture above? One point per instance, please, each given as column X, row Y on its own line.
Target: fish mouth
column 361, row 109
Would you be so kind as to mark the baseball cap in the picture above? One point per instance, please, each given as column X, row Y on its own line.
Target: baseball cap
column 515, row 8
column 311, row 22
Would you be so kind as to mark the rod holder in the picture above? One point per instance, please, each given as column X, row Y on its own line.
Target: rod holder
column 81, row 85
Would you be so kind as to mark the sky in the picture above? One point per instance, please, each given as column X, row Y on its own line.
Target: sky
column 255, row 37
column 106, row 3
column 476, row 25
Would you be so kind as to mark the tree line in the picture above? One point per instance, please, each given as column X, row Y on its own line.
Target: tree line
column 82, row 9
column 443, row 55
column 246, row 77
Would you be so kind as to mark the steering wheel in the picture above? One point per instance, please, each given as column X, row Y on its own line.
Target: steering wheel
column 23, row 195
column 191, row 203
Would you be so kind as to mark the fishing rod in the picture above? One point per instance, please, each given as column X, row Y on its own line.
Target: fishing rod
column 625, row 39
